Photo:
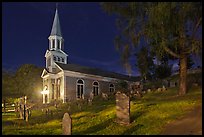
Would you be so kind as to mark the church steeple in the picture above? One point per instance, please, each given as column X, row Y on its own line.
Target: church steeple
column 55, row 38
column 55, row 52
column 56, row 30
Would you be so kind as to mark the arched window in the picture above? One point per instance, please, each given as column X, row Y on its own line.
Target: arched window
column 95, row 88
column 111, row 88
column 80, row 89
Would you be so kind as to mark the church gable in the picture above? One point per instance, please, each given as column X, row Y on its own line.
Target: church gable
column 44, row 73
column 57, row 69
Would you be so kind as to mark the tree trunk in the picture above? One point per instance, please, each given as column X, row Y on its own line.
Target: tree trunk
column 183, row 75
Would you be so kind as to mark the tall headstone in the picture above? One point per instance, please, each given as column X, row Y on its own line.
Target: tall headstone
column 122, row 108
column 66, row 124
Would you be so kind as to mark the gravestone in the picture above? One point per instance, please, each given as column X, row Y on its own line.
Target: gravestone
column 66, row 124
column 90, row 99
column 104, row 96
column 122, row 108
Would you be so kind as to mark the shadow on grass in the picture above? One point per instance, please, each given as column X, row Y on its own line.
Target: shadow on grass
column 95, row 128
column 129, row 131
column 135, row 115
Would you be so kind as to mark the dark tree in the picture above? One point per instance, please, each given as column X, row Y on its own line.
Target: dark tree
column 167, row 27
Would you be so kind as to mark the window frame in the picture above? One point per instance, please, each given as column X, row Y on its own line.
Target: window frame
column 95, row 87
column 81, row 96
column 111, row 88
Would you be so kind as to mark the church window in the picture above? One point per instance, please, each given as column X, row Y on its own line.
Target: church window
column 58, row 44
column 95, row 88
column 62, row 59
column 54, row 58
column 58, row 59
column 80, row 89
column 111, row 88
column 53, row 43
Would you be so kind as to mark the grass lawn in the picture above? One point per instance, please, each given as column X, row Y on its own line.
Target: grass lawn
column 148, row 116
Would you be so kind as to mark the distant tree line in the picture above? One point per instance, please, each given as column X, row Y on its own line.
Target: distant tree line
column 25, row 81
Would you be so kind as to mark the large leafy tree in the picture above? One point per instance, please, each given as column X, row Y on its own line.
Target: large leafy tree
column 8, row 88
column 25, row 81
column 28, row 80
column 190, row 62
column 163, row 70
column 166, row 27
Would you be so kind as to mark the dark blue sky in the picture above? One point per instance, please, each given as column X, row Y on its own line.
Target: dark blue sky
column 87, row 30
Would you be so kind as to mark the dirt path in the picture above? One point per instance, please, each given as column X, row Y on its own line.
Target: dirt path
column 190, row 124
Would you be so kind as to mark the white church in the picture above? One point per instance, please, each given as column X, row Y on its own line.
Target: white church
column 66, row 82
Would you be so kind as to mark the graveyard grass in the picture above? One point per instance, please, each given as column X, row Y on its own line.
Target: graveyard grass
column 148, row 116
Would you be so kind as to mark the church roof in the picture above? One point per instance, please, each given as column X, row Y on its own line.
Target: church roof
column 56, row 30
column 96, row 71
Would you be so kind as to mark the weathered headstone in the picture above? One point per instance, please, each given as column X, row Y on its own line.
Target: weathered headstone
column 164, row 88
column 105, row 96
column 149, row 90
column 122, row 108
column 66, row 124
column 91, row 96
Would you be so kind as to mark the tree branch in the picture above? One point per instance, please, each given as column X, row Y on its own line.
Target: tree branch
column 192, row 37
column 171, row 52
column 196, row 27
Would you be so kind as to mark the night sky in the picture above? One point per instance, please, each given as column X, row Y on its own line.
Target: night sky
column 88, row 32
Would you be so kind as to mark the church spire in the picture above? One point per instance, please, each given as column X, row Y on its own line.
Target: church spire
column 56, row 30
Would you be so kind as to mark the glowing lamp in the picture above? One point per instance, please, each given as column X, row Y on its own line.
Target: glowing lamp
column 44, row 92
